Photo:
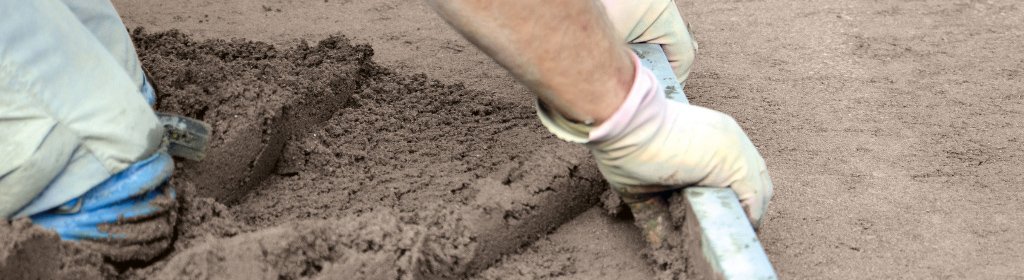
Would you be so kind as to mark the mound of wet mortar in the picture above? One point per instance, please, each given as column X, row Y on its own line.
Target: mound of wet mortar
column 403, row 142
column 253, row 94
column 325, row 165
column 29, row 252
column 380, row 245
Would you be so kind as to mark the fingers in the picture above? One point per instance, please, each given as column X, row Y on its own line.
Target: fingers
column 672, row 33
column 140, row 178
column 129, row 252
column 138, row 232
column 82, row 225
column 155, row 203
column 656, row 22
column 755, row 191
column 751, row 208
column 142, row 233
column 139, row 238
column 138, row 228
column 749, row 176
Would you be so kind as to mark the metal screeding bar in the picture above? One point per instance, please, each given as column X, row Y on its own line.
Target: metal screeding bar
column 729, row 248
column 728, row 245
column 652, row 57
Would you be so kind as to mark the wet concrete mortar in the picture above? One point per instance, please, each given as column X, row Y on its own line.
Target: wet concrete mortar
column 326, row 165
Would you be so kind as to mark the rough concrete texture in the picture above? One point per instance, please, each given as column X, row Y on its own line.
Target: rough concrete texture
column 377, row 245
column 253, row 95
column 393, row 143
column 28, row 252
column 591, row 246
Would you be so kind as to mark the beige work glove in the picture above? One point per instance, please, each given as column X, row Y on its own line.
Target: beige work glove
column 651, row 145
column 655, row 22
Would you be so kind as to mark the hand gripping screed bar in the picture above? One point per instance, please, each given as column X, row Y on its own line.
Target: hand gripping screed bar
column 715, row 222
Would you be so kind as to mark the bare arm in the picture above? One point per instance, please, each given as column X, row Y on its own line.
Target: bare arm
column 567, row 53
column 564, row 51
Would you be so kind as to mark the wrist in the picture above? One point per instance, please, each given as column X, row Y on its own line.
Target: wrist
column 639, row 106
column 575, row 126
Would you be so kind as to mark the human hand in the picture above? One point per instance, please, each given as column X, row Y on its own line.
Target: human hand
column 652, row 145
column 655, row 22
column 130, row 216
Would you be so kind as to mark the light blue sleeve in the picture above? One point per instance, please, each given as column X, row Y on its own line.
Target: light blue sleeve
column 70, row 112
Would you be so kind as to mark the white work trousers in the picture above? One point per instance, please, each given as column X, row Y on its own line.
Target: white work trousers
column 72, row 111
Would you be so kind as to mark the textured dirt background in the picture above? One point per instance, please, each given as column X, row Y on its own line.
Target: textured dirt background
column 893, row 129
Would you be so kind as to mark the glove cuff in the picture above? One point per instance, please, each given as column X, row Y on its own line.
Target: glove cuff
column 643, row 93
column 640, row 105
column 560, row 126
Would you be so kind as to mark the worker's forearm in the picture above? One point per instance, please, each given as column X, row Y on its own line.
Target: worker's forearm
column 564, row 51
